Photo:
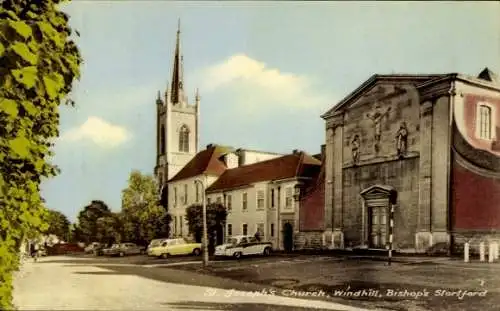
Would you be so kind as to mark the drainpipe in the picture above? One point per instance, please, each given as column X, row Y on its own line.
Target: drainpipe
column 278, row 227
column 452, row 94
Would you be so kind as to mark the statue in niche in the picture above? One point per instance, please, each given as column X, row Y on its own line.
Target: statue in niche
column 377, row 116
column 355, row 145
column 402, row 139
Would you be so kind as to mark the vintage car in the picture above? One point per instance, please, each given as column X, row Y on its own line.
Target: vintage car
column 123, row 249
column 89, row 249
column 243, row 245
column 156, row 243
column 173, row 247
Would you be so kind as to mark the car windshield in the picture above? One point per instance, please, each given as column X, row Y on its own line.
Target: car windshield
column 155, row 243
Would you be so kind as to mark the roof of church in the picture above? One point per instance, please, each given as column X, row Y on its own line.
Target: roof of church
column 421, row 80
column 207, row 162
column 297, row 164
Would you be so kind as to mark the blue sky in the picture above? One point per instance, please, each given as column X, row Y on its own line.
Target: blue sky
column 266, row 72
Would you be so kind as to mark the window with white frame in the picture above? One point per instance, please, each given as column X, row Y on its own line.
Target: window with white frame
column 272, row 230
column 245, row 229
column 288, row 197
column 260, row 199
column 185, row 197
column 229, row 202
column 484, row 122
column 260, row 229
column 229, row 229
column 244, row 201
column 175, row 196
column 272, row 197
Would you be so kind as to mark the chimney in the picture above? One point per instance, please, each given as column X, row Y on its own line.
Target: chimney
column 295, row 151
column 210, row 146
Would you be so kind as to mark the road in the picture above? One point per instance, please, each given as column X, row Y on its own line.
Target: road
column 65, row 283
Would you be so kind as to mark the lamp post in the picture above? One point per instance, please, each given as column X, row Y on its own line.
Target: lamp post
column 205, row 235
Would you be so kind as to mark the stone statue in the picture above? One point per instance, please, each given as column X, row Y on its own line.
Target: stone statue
column 377, row 117
column 355, row 144
column 402, row 139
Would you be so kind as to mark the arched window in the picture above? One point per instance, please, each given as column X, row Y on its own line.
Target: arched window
column 184, row 139
column 484, row 124
column 162, row 139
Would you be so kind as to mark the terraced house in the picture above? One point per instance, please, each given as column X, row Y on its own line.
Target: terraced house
column 263, row 197
column 186, row 187
column 424, row 146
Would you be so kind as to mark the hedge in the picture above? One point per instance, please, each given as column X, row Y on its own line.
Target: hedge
column 38, row 64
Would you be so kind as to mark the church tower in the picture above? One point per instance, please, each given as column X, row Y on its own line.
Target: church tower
column 177, row 123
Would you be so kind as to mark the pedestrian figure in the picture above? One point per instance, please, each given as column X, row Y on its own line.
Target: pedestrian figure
column 257, row 236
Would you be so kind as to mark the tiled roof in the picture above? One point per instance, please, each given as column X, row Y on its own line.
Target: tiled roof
column 207, row 162
column 293, row 165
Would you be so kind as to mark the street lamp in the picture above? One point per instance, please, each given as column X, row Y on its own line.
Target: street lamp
column 205, row 235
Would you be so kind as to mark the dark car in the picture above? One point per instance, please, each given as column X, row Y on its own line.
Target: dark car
column 124, row 249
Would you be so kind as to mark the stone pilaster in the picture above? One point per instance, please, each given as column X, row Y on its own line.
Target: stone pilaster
column 332, row 125
column 423, row 238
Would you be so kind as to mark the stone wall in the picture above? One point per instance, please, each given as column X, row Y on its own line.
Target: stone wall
column 400, row 174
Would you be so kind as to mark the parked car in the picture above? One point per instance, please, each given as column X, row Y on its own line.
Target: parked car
column 172, row 247
column 243, row 245
column 123, row 249
column 155, row 243
column 89, row 249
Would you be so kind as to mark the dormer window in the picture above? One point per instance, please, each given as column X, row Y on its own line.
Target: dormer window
column 484, row 122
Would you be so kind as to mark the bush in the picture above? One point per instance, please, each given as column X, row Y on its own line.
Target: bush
column 39, row 65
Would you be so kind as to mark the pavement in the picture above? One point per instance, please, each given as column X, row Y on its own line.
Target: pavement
column 66, row 283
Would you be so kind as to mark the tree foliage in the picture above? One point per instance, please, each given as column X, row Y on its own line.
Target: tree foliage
column 216, row 217
column 143, row 217
column 87, row 225
column 109, row 229
column 58, row 224
column 39, row 63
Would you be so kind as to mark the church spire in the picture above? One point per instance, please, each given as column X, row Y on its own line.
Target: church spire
column 177, row 89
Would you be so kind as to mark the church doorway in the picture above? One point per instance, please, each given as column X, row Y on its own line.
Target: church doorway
column 378, row 225
column 377, row 203
column 288, row 237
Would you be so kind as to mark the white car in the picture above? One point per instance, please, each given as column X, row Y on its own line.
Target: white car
column 243, row 245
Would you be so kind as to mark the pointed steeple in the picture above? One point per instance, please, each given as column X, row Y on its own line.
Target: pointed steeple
column 177, row 89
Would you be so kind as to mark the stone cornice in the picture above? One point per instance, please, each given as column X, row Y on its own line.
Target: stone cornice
column 379, row 160
column 433, row 91
column 335, row 121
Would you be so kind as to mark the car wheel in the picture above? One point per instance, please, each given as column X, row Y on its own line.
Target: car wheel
column 121, row 254
column 267, row 251
column 164, row 256
column 196, row 252
column 237, row 255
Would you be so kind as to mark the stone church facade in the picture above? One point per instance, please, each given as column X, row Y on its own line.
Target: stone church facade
column 391, row 143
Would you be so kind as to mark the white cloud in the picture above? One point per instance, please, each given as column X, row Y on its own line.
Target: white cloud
column 256, row 84
column 99, row 132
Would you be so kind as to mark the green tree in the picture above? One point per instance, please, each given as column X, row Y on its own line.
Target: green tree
column 58, row 224
column 39, row 63
column 216, row 219
column 108, row 229
column 87, row 220
column 144, row 218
